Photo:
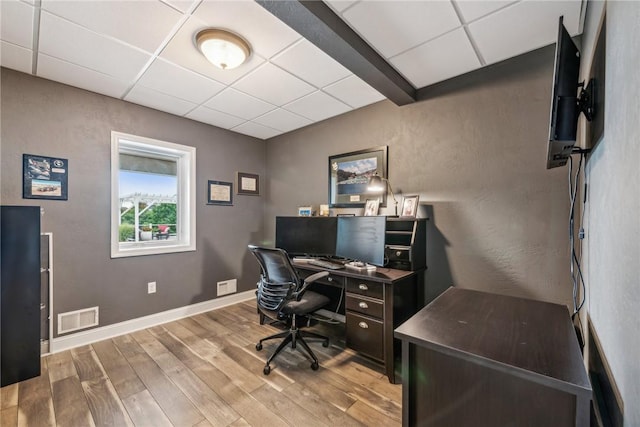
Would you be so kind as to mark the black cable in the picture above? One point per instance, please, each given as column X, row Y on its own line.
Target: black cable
column 577, row 279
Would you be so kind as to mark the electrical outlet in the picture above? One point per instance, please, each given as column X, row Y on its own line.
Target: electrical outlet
column 151, row 287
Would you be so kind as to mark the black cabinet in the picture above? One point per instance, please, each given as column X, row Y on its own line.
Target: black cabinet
column 406, row 243
column 20, row 299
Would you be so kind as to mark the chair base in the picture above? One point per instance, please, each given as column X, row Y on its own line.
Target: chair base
column 293, row 336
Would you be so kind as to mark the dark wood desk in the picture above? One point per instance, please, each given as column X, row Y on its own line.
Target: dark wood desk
column 375, row 304
column 477, row 359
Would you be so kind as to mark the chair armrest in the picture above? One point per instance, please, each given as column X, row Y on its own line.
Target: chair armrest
column 309, row 280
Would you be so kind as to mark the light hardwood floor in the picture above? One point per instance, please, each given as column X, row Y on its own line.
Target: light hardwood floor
column 203, row 371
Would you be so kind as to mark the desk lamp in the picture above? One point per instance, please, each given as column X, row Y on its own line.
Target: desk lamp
column 377, row 185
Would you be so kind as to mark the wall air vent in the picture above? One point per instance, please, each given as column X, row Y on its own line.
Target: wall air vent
column 79, row 319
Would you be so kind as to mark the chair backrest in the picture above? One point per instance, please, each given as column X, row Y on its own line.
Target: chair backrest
column 278, row 280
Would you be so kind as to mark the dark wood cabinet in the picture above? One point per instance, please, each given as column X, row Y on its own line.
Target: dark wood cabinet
column 20, row 299
column 481, row 359
column 406, row 243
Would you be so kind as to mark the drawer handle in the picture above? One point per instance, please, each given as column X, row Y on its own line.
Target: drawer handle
column 363, row 305
column 363, row 325
column 363, row 287
column 329, row 279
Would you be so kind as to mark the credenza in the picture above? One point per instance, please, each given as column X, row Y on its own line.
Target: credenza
column 473, row 358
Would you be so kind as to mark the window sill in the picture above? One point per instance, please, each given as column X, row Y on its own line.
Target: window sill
column 125, row 250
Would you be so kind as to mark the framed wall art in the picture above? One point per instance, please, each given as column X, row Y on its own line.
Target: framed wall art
column 409, row 206
column 349, row 175
column 248, row 184
column 220, row 193
column 44, row 177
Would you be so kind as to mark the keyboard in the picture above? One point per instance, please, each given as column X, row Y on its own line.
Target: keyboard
column 325, row 264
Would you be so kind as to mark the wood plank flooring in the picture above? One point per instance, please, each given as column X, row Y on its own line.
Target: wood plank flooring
column 203, row 371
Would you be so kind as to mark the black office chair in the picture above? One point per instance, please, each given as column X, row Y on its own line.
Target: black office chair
column 283, row 295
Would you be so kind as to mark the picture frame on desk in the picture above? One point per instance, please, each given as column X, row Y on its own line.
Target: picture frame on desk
column 371, row 207
column 349, row 175
column 409, row 206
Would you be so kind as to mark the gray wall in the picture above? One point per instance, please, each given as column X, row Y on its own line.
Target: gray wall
column 475, row 153
column 46, row 118
column 612, row 246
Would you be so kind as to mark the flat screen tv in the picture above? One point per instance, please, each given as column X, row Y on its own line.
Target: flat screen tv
column 306, row 236
column 361, row 238
column 565, row 109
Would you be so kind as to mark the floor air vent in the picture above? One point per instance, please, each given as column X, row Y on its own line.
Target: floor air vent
column 79, row 319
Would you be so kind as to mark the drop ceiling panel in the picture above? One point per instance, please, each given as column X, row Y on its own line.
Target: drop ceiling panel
column 265, row 33
column 16, row 23
column 74, row 75
column 172, row 80
column 395, row 26
column 215, row 118
column 339, row 5
column 523, row 27
column 354, row 92
column 474, row 9
column 181, row 5
column 447, row 56
column 160, row 101
column 15, row 57
column 317, row 106
column 72, row 43
column 283, row 120
column 273, row 85
column 256, row 130
column 239, row 104
column 182, row 50
column 308, row 62
column 127, row 21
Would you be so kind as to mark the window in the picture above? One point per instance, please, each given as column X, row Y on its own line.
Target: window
column 152, row 196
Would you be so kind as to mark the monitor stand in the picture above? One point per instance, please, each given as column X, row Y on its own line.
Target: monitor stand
column 360, row 266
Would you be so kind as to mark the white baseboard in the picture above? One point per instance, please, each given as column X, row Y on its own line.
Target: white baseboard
column 98, row 334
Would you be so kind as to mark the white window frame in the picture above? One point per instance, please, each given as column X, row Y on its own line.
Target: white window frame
column 185, row 157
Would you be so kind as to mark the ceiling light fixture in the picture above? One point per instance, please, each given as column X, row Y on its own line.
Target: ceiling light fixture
column 224, row 49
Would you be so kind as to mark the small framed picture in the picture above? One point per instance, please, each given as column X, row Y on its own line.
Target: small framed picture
column 305, row 211
column 44, row 177
column 248, row 184
column 371, row 207
column 220, row 193
column 409, row 206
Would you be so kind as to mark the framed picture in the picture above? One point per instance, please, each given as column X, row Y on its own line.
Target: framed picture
column 409, row 206
column 371, row 207
column 220, row 193
column 44, row 177
column 349, row 175
column 248, row 184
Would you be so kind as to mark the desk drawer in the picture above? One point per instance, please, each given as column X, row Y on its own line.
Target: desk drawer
column 330, row 280
column 365, row 335
column 368, row 306
column 365, row 287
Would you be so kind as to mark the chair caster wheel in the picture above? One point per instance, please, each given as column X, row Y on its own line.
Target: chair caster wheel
column 314, row 366
column 325, row 343
column 259, row 346
column 267, row 370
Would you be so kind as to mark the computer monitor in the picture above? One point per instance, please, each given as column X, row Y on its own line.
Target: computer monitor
column 306, row 236
column 361, row 238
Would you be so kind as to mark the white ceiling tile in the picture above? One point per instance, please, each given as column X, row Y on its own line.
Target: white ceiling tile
column 16, row 23
column 474, row 9
column 239, row 104
column 153, row 99
column 317, row 106
column 64, row 72
column 256, row 130
column 72, row 43
column 182, row 5
column 182, row 50
column 265, row 33
column 308, row 62
column 283, row 120
column 16, row 57
column 121, row 19
column 440, row 59
column 273, row 85
column 523, row 27
column 339, row 5
column 395, row 26
column 168, row 78
column 354, row 92
column 215, row 118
